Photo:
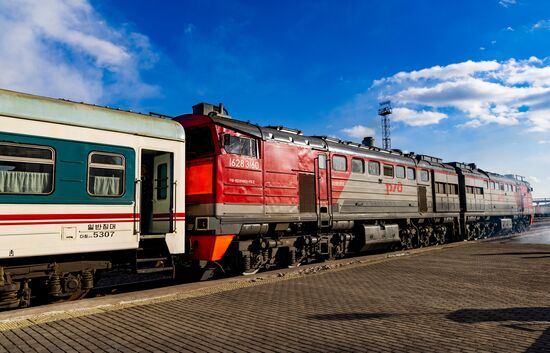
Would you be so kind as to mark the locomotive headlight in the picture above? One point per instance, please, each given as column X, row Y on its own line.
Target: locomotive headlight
column 201, row 223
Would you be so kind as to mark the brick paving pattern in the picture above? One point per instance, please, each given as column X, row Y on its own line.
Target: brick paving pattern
column 488, row 297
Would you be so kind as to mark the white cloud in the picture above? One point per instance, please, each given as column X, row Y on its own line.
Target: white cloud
column 452, row 71
column 510, row 29
column 504, row 93
column 542, row 24
column 417, row 118
column 507, row 3
column 534, row 179
column 359, row 131
column 64, row 48
column 543, row 142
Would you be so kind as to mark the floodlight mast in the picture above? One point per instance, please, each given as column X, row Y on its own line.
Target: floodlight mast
column 384, row 110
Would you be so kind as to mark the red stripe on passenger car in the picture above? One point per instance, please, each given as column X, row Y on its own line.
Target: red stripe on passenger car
column 29, row 217
column 64, row 222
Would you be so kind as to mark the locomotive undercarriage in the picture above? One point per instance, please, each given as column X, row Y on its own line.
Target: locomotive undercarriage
column 284, row 249
column 486, row 227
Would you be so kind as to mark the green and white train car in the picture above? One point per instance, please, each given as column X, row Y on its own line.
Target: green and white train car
column 84, row 188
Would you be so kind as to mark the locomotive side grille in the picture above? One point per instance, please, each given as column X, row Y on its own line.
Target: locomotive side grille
column 307, row 192
column 422, row 199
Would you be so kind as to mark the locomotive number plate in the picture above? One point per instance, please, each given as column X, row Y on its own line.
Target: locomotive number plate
column 244, row 163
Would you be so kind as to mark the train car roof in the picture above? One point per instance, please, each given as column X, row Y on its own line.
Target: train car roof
column 472, row 169
column 59, row 111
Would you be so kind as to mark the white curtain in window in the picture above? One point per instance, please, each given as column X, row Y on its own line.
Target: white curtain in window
column 24, row 182
column 106, row 185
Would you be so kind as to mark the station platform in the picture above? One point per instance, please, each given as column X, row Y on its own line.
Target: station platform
column 463, row 297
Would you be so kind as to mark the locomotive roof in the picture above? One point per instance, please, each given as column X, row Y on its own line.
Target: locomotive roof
column 333, row 144
column 32, row 107
column 292, row 136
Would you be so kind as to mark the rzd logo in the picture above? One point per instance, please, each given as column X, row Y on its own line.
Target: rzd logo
column 394, row 187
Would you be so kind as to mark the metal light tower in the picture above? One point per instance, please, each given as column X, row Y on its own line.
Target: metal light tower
column 384, row 110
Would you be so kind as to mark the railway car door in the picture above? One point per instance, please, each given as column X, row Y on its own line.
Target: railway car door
column 322, row 190
column 163, row 212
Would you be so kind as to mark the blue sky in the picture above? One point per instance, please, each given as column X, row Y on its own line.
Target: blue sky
column 469, row 80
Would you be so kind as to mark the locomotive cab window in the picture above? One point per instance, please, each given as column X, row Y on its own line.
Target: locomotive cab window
column 26, row 169
column 388, row 171
column 374, row 168
column 339, row 163
column 243, row 146
column 106, row 174
column 357, row 166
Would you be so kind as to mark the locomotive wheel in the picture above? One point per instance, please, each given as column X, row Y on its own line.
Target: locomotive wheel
column 250, row 272
column 424, row 238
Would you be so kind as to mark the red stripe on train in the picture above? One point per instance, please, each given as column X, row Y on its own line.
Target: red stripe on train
column 65, row 222
column 37, row 217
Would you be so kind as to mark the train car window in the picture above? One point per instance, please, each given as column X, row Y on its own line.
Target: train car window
column 400, row 172
column 374, row 168
column 339, row 163
column 439, row 188
column 198, row 142
column 493, row 185
column 424, row 176
column 26, row 169
column 501, row 187
column 243, row 146
column 388, row 171
column 411, row 174
column 322, row 161
column 162, row 181
column 453, row 189
column 486, row 184
column 106, row 174
column 357, row 166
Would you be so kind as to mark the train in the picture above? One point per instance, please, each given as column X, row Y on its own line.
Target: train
column 87, row 190
column 542, row 207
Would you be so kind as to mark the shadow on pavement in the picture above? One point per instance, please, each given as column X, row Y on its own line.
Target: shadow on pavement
column 525, row 316
column 543, row 254
column 348, row 316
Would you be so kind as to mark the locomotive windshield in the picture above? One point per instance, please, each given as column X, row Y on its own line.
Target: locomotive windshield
column 199, row 142
column 240, row 145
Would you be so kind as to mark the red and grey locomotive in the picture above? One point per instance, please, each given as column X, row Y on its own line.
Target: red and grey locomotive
column 263, row 196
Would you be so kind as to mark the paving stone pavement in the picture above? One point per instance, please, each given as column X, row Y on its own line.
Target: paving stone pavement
column 486, row 297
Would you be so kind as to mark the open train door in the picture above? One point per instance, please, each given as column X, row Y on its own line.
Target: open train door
column 322, row 190
column 162, row 220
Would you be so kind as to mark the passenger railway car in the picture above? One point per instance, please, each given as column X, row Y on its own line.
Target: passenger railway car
column 84, row 188
column 258, row 196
